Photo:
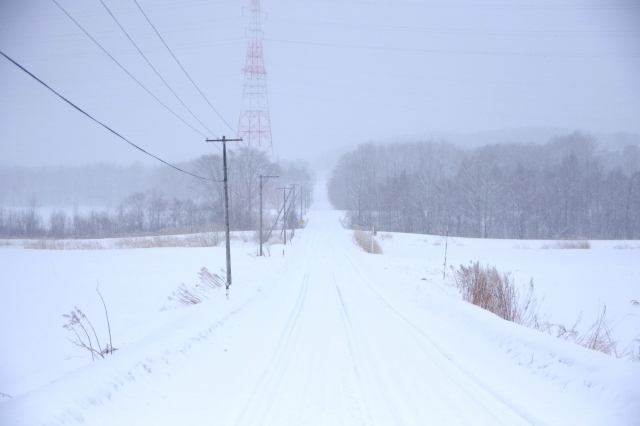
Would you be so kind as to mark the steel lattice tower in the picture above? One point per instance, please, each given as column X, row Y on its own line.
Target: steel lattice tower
column 254, row 126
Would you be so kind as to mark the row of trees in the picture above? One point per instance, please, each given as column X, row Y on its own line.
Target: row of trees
column 152, row 212
column 562, row 189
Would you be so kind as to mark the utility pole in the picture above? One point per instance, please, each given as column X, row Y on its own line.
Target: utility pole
column 284, row 213
column 293, row 201
column 262, row 177
column 224, row 141
column 446, row 245
column 306, row 201
column 301, row 202
column 292, row 207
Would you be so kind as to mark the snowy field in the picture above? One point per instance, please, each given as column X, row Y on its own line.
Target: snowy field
column 568, row 282
column 325, row 334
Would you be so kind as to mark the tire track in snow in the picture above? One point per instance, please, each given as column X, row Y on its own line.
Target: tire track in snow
column 261, row 398
column 448, row 359
column 351, row 343
column 366, row 356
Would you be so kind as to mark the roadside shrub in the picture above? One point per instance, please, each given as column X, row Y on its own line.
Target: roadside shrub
column 599, row 336
column 188, row 296
column 85, row 333
column 496, row 292
column 63, row 245
column 205, row 239
column 489, row 289
column 568, row 244
column 364, row 239
column 625, row 245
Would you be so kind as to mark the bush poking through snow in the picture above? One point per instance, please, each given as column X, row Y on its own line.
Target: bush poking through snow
column 634, row 347
column 364, row 240
column 600, row 337
column 188, row 296
column 568, row 244
column 63, row 245
column 205, row 239
column 211, row 281
column 79, row 324
column 496, row 292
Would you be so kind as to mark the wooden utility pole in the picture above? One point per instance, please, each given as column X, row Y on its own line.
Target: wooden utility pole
column 301, row 202
column 224, row 141
column 262, row 177
column 446, row 246
column 284, row 213
column 292, row 205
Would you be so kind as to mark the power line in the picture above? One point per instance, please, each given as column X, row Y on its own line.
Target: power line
column 125, row 70
column 551, row 33
column 102, row 124
column 185, row 71
column 461, row 52
column 154, row 69
column 547, row 6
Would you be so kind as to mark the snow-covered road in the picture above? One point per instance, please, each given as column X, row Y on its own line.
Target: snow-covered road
column 346, row 356
column 323, row 347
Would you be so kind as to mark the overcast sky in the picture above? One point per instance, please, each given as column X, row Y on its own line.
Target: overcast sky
column 340, row 72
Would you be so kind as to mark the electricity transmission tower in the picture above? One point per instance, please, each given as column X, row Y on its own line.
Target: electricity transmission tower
column 254, row 126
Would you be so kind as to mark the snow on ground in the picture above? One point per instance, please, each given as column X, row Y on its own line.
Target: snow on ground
column 325, row 334
column 567, row 281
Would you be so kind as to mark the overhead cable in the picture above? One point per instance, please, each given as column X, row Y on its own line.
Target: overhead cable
column 549, row 33
column 154, row 69
column 517, row 6
column 125, row 70
column 458, row 52
column 185, row 71
column 102, row 124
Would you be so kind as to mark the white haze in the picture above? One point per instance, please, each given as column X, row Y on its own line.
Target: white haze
column 340, row 73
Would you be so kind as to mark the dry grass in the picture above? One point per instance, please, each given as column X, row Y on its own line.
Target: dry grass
column 64, row 245
column 188, row 296
column 364, row 240
column 568, row 244
column 521, row 246
column 206, row 239
column 600, row 336
column 241, row 236
column 626, row 246
column 496, row 292
column 80, row 325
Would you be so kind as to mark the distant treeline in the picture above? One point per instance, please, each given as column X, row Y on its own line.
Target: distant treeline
column 563, row 189
column 199, row 209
